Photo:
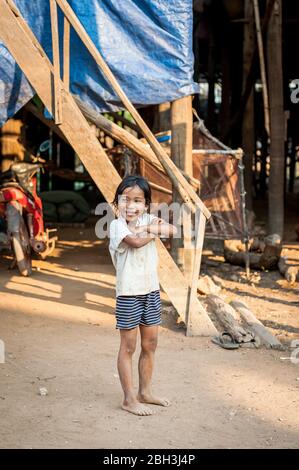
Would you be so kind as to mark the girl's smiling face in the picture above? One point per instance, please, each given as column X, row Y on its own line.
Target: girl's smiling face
column 131, row 203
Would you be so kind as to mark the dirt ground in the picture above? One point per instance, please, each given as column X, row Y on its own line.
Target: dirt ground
column 59, row 333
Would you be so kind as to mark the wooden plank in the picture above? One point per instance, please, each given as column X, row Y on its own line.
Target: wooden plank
column 189, row 247
column 177, row 288
column 187, row 193
column 38, row 71
column 181, row 119
column 66, row 53
column 192, row 298
column 182, row 133
column 256, row 326
column 125, row 121
column 56, row 63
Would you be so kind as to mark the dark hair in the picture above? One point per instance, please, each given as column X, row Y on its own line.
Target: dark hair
column 131, row 181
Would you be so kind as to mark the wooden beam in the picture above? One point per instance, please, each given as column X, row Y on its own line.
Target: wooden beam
column 56, row 63
column 262, row 65
column 187, row 193
column 66, row 53
column 181, row 119
column 248, row 136
column 125, row 121
column 29, row 55
column 277, row 121
column 195, row 274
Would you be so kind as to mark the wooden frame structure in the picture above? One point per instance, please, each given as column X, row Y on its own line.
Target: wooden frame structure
column 54, row 93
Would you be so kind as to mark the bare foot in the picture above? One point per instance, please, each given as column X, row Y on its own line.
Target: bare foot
column 153, row 400
column 137, row 408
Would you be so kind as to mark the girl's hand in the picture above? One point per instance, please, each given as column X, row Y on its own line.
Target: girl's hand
column 157, row 221
column 141, row 230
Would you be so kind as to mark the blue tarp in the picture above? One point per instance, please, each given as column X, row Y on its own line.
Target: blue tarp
column 146, row 43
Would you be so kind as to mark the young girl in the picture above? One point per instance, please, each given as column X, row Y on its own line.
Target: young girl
column 138, row 305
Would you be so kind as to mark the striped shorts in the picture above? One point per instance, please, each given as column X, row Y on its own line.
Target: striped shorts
column 134, row 310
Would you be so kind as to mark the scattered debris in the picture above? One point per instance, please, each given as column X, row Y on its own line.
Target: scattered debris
column 43, row 391
column 207, row 286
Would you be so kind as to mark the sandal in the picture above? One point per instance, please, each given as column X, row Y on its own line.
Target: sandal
column 226, row 341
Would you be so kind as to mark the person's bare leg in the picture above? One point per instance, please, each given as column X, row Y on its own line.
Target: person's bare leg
column 124, row 364
column 149, row 340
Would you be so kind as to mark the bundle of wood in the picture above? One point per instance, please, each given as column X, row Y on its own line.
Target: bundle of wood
column 236, row 319
column 263, row 254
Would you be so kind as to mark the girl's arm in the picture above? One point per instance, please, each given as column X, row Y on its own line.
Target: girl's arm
column 158, row 228
column 135, row 241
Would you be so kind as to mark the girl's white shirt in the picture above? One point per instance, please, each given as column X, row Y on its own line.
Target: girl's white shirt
column 136, row 268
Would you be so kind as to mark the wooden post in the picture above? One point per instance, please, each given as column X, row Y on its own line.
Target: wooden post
column 10, row 147
column 162, row 118
column 181, row 154
column 277, row 120
column 262, row 65
column 199, row 238
column 248, row 131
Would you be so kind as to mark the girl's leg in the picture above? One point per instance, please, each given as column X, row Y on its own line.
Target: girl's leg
column 149, row 341
column 124, row 365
